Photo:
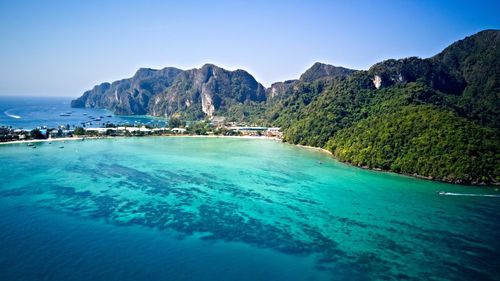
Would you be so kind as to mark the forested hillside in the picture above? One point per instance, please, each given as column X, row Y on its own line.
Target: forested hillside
column 436, row 117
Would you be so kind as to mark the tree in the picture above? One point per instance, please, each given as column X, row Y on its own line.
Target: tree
column 199, row 128
column 37, row 134
column 79, row 131
column 174, row 122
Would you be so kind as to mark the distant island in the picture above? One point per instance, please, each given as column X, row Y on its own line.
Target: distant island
column 437, row 118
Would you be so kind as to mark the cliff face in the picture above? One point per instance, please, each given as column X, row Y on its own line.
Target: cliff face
column 208, row 91
column 129, row 96
column 321, row 70
column 279, row 88
column 195, row 93
column 434, row 73
column 318, row 72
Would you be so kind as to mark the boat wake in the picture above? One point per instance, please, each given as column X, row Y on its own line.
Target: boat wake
column 11, row 115
column 467, row 194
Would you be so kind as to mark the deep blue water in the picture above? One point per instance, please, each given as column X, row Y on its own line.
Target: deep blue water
column 31, row 112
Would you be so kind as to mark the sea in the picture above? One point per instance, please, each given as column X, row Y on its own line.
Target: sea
column 207, row 208
column 33, row 112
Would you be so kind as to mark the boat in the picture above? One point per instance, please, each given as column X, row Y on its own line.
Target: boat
column 30, row 144
column 65, row 114
column 61, row 146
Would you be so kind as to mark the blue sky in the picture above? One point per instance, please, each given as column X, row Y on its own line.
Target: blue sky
column 65, row 47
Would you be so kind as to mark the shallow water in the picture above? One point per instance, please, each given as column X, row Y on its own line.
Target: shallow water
column 231, row 209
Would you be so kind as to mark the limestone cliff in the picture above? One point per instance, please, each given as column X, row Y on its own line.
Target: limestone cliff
column 194, row 94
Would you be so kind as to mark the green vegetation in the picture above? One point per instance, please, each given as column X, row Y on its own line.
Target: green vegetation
column 422, row 140
column 199, row 128
column 79, row 131
column 438, row 117
column 477, row 60
column 315, row 114
column 37, row 134
column 176, row 122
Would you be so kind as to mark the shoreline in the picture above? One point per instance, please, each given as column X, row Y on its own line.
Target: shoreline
column 49, row 140
column 415, row 176
column 319, row 149
column 117, row 137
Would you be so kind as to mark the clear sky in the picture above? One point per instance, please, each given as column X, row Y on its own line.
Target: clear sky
column 65, row 47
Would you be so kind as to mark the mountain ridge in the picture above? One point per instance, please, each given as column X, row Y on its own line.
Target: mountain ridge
column 134, row 96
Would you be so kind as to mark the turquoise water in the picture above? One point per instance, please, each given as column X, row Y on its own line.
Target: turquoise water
column 170, row 208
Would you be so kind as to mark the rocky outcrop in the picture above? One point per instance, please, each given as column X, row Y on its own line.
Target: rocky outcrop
column 318, row 71
column 279, row 88
column 195, row 93
column 207, row 91
column 401, row 71
column 129, row 96
column 377, row 81
column 321, row 70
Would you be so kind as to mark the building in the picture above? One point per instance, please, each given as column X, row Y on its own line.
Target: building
column 274, row 132
column 218, row 121
column 247, row 129
column 98, row 130
column 179, row 130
